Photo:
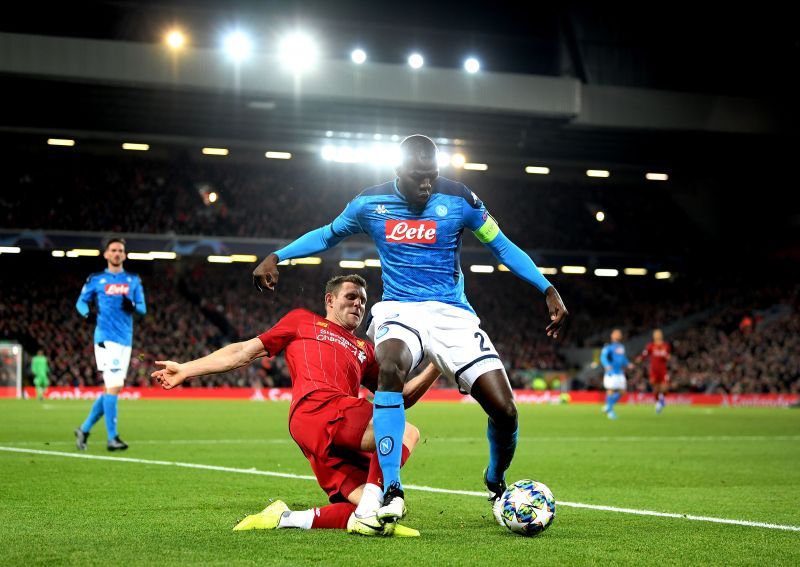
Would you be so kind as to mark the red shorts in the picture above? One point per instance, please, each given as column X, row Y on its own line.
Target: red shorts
column 329, row 430
column 659, row 378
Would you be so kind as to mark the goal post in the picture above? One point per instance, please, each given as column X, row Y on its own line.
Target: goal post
column 10, row 370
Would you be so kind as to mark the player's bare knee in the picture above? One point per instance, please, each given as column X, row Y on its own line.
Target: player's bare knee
column 505, row 416
column 410, row 436
column 392, row 376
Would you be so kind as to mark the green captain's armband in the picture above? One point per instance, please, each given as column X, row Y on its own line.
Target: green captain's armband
column 488, row 231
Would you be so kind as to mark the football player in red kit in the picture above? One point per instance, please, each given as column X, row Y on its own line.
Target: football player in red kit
column 658, row 352
column 329, row 422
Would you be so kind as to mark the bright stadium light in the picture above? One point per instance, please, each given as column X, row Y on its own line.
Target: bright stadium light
column 278, row 155
column 481, row 269
column 537, row 170
column 573, row 269
column 443, row 159
column 351, row 264
column 220, row 259
column 597, row 173
column 212, row 197
column 656, row 176
column 310, row 261
column 135, row 147
column 60, row 142
column 10, row 250
column 215, row 151
column 635, row 271
column 502, row 268
column 298, row 52
column 472, row 65
column 548, row 271
column 58, row 253
column 476, row 166
column 606, row 272
column 161, row 255
column 415, row 61
column 600, row 216
column 249, row 258
column 85, row 252
column 663, row 275
column 358, row 56
column 372, row 263
column 458, row 160
column 140, row 256
column 238, row 46
column 175, row 39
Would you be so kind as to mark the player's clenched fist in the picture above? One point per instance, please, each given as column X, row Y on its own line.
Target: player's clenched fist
column 169, row 376
column 265, row 276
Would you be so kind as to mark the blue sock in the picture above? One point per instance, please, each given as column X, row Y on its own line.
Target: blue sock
column 94, row 414
column 389, row 422
column 110, row 408
column 612, row 399
column 501, row 451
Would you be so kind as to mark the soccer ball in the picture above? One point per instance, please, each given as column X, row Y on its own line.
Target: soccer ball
column 527, row 507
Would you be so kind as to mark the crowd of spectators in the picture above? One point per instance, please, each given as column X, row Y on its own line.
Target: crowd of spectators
column 195, row 307
column 280, row 200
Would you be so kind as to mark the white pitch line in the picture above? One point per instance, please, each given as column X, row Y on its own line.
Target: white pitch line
column 411, row 486
column 174, row 442
column 527, row 439
column 632, row 438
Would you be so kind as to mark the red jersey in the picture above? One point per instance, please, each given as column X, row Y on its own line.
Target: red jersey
column 321, row 356
column 658, row 355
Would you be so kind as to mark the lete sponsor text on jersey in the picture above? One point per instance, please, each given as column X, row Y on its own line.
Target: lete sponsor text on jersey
column 117, row 289
column 423, row 232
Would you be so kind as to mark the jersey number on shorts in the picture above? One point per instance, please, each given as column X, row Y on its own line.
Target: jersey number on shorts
column 482, row 340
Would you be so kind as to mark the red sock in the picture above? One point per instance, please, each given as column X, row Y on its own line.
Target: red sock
column 375, row 476
column 332, row 516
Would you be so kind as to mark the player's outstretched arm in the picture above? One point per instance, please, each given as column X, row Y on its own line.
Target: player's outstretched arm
column 223, row 360
column 415, row 388
column 522, row 266
column 265, row 276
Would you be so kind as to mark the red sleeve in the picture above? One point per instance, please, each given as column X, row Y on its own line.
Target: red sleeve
column 284, row 331
column 370, row 377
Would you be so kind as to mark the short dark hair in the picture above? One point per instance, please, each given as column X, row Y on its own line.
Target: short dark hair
column 335, row 283
column 111, row 241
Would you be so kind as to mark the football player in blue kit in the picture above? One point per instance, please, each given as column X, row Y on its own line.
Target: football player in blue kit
column 416, row 221
column 117, row 295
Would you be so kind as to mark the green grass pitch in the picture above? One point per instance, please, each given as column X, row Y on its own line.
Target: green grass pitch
column 741, row 464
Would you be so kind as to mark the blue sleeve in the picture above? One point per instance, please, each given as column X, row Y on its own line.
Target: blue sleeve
column 325, row 237
column 347, row 223
column 516, row 260
column 317, row 240
column 138, row 299
column 605, row 359
column 473, row 212
column 476, row 218
column 87, row 295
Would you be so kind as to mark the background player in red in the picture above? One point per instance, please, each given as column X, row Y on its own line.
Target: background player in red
column 658, row 352
column 327, row 419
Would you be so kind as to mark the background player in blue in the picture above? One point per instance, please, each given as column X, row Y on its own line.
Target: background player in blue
column 416, row 222
column 614, row 361
column 117, row 295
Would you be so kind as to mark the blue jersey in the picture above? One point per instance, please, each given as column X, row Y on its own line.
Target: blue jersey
column 613, row 355
column 107, row 289
column 419, row 248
